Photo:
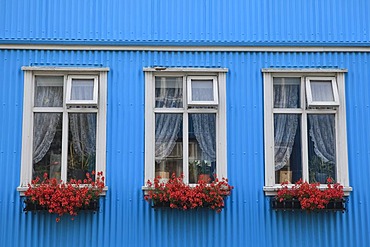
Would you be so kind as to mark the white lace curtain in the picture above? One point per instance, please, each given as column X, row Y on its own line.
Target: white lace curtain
column 167, row 126
column 322, row 134
column 45, row 124
column 321, row 128
column 83, row 130
column 205, row 133
column 285, row 125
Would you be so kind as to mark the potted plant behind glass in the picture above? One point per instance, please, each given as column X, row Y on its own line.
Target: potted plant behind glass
column 80, row 164
column 320, row 171
column 204, row 169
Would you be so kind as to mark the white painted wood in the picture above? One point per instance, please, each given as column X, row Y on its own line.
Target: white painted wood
column 337, row 76
column 192, row 102
column 28, row 112
column 220, row 78
column 211, row 48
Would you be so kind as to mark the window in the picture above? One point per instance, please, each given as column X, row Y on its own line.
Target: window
column 305, row 127
column 63, row 122
column 185, row 123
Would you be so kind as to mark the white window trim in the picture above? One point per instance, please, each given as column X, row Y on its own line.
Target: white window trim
column 28, row 110
column 93, row 102
column 204, row 103
column 150, row 74
column 311, row 102
column 271, row 187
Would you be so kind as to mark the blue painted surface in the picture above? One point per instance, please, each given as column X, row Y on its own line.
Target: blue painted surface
column 192, row 22
column 125, row 219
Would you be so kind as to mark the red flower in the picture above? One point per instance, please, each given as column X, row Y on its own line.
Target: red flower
column 176, row 194
column 64, row 198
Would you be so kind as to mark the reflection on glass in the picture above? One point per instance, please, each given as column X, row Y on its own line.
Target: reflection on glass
column 321, row 147
column 48, row 91
column 322, row 91
column 202, row 147
column 168, row 145
column 287, row 92
column 168, row 92
column 287, row 142
column 81, row 144
column 47, row 145
column 82, row 89
column 202, row 90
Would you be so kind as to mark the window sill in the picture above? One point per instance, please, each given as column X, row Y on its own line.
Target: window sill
column 22, row 190
column 272, row 190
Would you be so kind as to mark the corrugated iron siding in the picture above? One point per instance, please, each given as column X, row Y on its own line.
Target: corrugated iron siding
column 266, row 22
column 125, row 219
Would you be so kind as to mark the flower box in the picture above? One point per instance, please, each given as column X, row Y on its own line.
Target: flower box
column 62, row 198
column 309, row 197
column 295, row 205
column 30, row 206
column 175, row 194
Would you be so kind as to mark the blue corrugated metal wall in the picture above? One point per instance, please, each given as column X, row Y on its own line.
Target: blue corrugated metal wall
column 262, row 22
column 125, row 219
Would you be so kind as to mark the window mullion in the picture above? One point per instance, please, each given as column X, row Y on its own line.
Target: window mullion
column 185, row 135
column 65, row 128
column 304, row 134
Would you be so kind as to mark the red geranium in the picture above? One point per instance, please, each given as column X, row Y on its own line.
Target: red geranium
column 311, row 196
column 176, row 194
column 65, row 198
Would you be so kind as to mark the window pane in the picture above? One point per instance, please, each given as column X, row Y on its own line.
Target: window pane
column 168, row 92
column 287, row 139
column 81, row 144
column 202, row 90
column 287, row 92
column 321, row 147
column 322, row 90
column 168, row 145
column 202, row 147
column 47, row 145
column 48, row 91
column 82, row 89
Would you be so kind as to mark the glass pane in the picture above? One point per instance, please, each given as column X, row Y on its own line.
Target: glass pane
column 47, row 145
column 322, row 91
column 287, row 92
column 287, row 141
column 321, row 148
column 202, row 147
column 168, row 145
column 168, row 92
column 202, row 90
column 49, row 91
column 81, row 144
column 82, row 89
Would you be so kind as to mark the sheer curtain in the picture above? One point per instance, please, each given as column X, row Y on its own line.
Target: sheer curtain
column 83, row 130
column 205, row 133
column 322, row 133
column 45, row 124
column 285, row 125
column 167, row 126
column 202, row 90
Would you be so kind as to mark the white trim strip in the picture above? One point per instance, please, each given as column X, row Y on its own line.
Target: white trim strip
column 184, row 69
column 302, row 70
column 231, row 48
column 68, row 69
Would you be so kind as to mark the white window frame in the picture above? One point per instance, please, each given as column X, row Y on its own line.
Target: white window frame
column 334, row 87
column 271, row 186
column 93, row 102
column 30, row 74
column 150, row 110
column 201, row 78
